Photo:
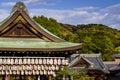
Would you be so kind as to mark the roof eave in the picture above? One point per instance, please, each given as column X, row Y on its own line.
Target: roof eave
column 44, row 49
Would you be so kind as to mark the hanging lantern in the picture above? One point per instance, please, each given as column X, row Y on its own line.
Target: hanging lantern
column 55, row 61
column 16, row 61
column 15, row 67
column 63, row 62
column 48, row 61
column 49, row 67
column 37, row 72
column 3, row 67
column 66, row 62
column 12, row 61
column 18, row 72
column 54, row 74
column 48, row 72
column 40, row 61
column 32, row 61
column 0, row 67
column 23, row 67
column 42, row 67
column 27, row 67
column 51, row 72
column 28, row 61
column 2, row 72
column 8, row 61
column 26, row 72
column 6, row 72
column 57, row 67
column 46, row 67
column 33, row 72
column 22, row 72
column 29, row 72
column 35, row 67
column 24, row 61
column 14, row 72
column 10, row 72
column 36, row 61
column 38, row 66
column 20, row 61
column 59, row 61
column 51, row 61
column 1, row 61
column 4, row 61
column 41, row 72
column 53, row 67
column 19, row 67
column 45, row 72
column 44, row 61
column 30, row 67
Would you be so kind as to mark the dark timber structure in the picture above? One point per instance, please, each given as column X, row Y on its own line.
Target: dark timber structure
column 27, row 50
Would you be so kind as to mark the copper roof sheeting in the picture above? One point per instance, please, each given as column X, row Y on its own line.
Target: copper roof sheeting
column 30, row 44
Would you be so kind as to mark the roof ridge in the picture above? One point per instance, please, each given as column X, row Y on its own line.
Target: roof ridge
column 19, row 6
column 90, row 55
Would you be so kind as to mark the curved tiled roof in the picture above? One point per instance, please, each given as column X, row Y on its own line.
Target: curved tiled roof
column 94, row 60
column 55, row 43
column 32, row 43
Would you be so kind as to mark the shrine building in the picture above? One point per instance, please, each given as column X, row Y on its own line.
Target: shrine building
column 28, row 51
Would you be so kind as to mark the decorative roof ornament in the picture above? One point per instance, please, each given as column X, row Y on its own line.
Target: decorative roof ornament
column 19, row 6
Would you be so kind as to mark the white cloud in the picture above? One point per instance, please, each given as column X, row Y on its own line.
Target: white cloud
column 3, row 14
column 109, row 16
column 8, row 3
column 74, row 16
column 90, row 8
column 84, row 15
column 35, row 2
column 31, row 2
column 114, row 9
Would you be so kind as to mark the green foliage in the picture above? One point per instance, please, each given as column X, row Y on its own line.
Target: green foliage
column 79, row 75
column 117, row 49
column 96, row 38
column 75, row 74
column 62, row 73
column 50, row 24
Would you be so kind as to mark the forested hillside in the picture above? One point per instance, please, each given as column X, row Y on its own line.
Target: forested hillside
column 96, row 38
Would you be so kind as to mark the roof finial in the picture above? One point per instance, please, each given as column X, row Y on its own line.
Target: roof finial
column 19, row 6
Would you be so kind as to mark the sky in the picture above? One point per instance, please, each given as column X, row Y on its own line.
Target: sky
column 72, row 12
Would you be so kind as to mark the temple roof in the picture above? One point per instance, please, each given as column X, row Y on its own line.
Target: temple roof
column 94, row 62
column 40, row 39
column 31, row 43
column 116, row 55
column 112, row 65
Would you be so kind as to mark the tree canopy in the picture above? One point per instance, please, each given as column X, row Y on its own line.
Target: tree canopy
column 96, row 38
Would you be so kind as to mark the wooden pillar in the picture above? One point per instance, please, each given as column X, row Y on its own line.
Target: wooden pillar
column 49, row 77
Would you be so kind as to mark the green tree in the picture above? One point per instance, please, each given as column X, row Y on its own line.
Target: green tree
column 88, row 46
column 117, row 49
